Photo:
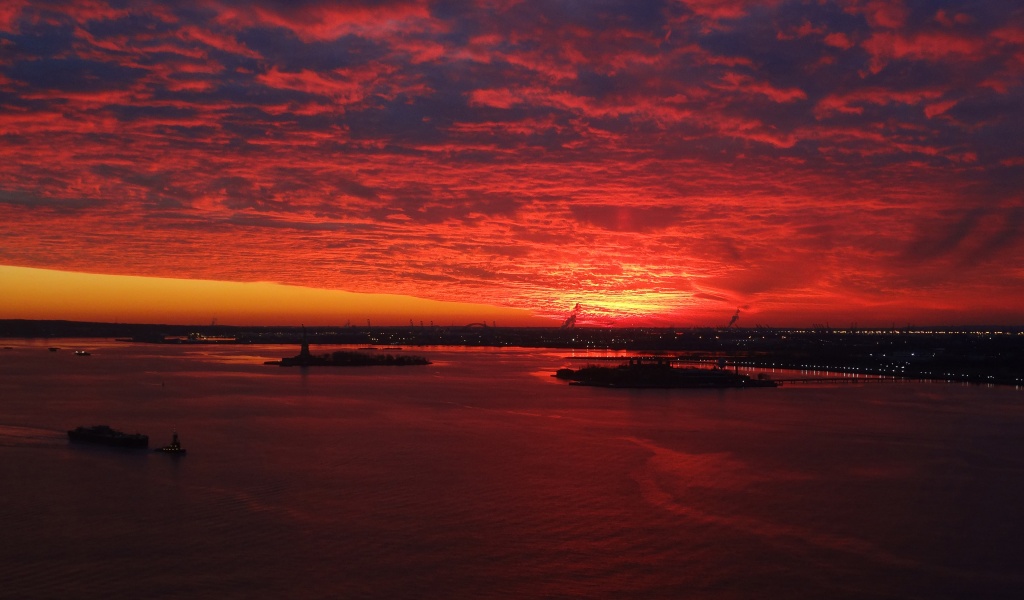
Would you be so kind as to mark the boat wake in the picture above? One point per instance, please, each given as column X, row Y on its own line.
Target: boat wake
column 13, row 435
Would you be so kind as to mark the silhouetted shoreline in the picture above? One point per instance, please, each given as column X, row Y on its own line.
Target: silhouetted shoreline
column 986, row 355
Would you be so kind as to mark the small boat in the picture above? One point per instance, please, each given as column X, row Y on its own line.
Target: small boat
column 53, row 349
column 174, row 447
column 82, row 353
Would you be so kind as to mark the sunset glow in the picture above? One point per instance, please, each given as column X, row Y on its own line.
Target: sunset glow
column 116, row 298
column 661, row 163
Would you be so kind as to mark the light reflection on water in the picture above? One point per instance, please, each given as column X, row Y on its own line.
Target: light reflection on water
column 483, row 476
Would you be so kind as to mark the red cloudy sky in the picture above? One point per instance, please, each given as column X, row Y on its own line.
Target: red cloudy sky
column 658, row 162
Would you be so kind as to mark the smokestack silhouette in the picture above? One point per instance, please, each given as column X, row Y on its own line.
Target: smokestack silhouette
column 570, row 321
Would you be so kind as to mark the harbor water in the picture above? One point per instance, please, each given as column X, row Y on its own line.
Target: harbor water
column 482, row 476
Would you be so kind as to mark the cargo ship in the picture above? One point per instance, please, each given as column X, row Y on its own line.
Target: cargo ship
column 105, row 436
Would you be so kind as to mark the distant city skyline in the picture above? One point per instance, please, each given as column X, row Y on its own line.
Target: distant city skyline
column 614, row 163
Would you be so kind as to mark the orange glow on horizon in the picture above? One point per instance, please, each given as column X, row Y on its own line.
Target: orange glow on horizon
column 45, row 294
column 29, row 293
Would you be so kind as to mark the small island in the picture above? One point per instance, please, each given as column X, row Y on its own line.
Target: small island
column 659, row 373
column 346, row 358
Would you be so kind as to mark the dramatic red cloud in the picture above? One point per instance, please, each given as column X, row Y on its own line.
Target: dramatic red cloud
column 656, row 162
column 324, row 21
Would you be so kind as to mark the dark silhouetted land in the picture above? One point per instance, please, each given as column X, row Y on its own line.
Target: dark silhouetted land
column 971, row 354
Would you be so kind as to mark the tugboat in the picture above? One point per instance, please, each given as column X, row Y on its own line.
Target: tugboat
column 174, row 447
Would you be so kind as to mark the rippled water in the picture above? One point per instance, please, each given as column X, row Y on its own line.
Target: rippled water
column 483, row 476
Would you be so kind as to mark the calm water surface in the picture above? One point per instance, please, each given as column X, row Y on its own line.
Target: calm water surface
column 482, row 476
